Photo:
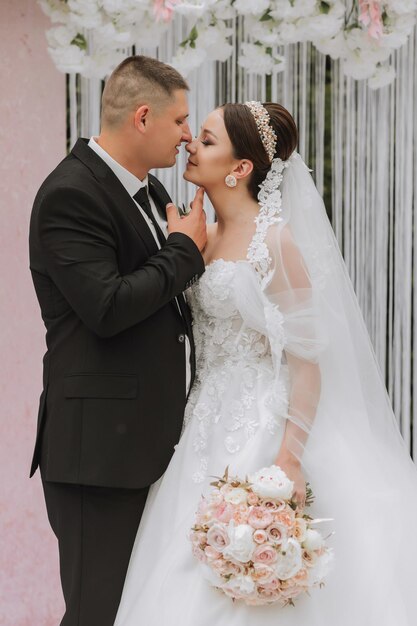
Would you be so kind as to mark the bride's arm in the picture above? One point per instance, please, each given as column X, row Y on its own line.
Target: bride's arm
column 293, row 293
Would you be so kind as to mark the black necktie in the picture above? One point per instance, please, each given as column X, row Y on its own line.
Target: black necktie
column 142, row 199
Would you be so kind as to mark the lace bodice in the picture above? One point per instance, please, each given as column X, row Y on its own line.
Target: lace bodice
column 230, row 356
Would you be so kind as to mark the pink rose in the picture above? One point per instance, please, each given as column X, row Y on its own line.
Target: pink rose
column 217, row 537
column 198, row 538
column 223, row 512
column 211, row 553
column 272, row 584
column 199, row 554
column 260, row 536
column 260, row 517
column 276, row 533
column 265, row 554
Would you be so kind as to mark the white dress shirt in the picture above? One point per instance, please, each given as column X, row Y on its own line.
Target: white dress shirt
column 132, row 184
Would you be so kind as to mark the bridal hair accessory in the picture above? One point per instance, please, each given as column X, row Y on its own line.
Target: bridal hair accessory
column 263, row 122
column 230, row 180
column 255, row 544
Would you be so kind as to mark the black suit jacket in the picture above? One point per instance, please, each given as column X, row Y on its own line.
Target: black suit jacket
column 112, row 406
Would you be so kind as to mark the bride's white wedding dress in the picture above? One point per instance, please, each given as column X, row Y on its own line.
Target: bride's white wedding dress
column 247, row 335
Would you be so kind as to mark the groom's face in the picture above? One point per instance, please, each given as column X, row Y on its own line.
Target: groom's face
column 167, row 130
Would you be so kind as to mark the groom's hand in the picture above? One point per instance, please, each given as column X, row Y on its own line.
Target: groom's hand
column 194, row 224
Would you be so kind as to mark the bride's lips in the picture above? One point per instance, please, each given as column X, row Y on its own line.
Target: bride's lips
column 191, row 163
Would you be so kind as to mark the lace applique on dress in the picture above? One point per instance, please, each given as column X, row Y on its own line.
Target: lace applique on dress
column 231, row 355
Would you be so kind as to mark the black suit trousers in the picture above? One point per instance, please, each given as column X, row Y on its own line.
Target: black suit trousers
column 96, row 529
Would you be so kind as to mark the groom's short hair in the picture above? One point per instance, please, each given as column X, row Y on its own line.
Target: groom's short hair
column 138, row 80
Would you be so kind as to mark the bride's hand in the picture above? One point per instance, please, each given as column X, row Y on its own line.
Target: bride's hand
column 292, row 467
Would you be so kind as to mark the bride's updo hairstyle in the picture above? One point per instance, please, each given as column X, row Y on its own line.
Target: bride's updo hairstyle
column 246, row 140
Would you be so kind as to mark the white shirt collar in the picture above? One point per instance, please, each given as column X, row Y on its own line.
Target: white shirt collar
column 130, row 182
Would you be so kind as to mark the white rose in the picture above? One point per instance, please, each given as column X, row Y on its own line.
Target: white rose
column 289, row 560
column 236, row 496
column 241, row 544
column 239, row 586
column 335, row 46
column 312, row 540
column 272, row 482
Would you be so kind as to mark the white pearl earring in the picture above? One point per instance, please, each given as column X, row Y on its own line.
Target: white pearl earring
column 230, row 180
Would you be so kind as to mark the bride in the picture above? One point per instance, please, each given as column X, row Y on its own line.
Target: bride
column 286, row 375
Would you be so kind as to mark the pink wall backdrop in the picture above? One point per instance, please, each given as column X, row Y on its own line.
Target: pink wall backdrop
column 32, row 142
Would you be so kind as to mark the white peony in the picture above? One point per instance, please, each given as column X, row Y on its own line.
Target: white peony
column 322, row 26
column 334, row 47
column 256, row 60
column 236, row 496
column 239, row 586
column 383, row 76
column 61, row 35
column 312, row 540
column 56, row 10
column 241, row 544
column 247, row 7
column 287, row 10
column 320, row 569
column 289, row 561
column 272, row 482
column 188, row 59
column 69, row 59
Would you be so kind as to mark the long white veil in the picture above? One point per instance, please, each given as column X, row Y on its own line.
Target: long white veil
column 351, row 449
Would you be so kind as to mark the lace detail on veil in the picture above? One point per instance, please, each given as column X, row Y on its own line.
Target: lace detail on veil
column 270, row 203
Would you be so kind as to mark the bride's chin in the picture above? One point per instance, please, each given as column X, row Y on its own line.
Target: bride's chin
column 191, row 178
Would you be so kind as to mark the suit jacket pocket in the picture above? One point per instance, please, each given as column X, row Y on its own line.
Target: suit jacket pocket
column 100, row 386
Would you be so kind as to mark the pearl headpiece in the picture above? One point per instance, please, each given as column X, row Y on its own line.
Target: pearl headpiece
column 263, row 122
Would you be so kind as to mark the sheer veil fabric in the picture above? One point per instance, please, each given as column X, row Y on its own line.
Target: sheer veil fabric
column 319, row 371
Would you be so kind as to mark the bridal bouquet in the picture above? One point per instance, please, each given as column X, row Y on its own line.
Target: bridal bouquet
column 254, row 545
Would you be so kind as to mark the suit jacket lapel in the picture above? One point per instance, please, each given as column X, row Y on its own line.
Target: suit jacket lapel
column 116, row 190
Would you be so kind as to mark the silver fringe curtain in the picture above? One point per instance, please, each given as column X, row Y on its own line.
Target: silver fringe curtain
column 362, row 146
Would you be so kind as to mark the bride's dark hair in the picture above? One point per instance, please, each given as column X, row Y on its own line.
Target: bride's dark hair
column 246, row 141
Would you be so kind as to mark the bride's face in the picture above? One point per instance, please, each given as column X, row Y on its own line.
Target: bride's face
column 210, row 154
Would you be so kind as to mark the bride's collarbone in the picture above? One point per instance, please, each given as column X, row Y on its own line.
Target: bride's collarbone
column 227, row 247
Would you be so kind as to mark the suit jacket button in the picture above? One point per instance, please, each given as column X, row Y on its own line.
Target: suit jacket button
column 181, row 338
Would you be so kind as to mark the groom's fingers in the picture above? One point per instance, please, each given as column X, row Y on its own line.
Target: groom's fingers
column 198, row 202
column 193, row 225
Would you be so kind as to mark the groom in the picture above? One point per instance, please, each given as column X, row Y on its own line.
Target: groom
column 120, row 355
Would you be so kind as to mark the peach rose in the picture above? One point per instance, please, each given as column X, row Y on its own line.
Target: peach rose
column 252, row 498
column 262, row 573
column 260, row 536
column 285, row 517
column 276, row 533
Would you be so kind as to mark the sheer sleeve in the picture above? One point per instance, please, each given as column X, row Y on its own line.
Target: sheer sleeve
column 281, row 305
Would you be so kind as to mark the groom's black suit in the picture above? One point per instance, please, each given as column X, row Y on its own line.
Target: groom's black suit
column 114, row 373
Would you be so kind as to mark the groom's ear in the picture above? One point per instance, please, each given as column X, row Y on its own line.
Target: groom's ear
column 243, row 168
column 140, row 118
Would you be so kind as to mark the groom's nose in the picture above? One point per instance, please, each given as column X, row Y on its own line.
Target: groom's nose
column 186, row 134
